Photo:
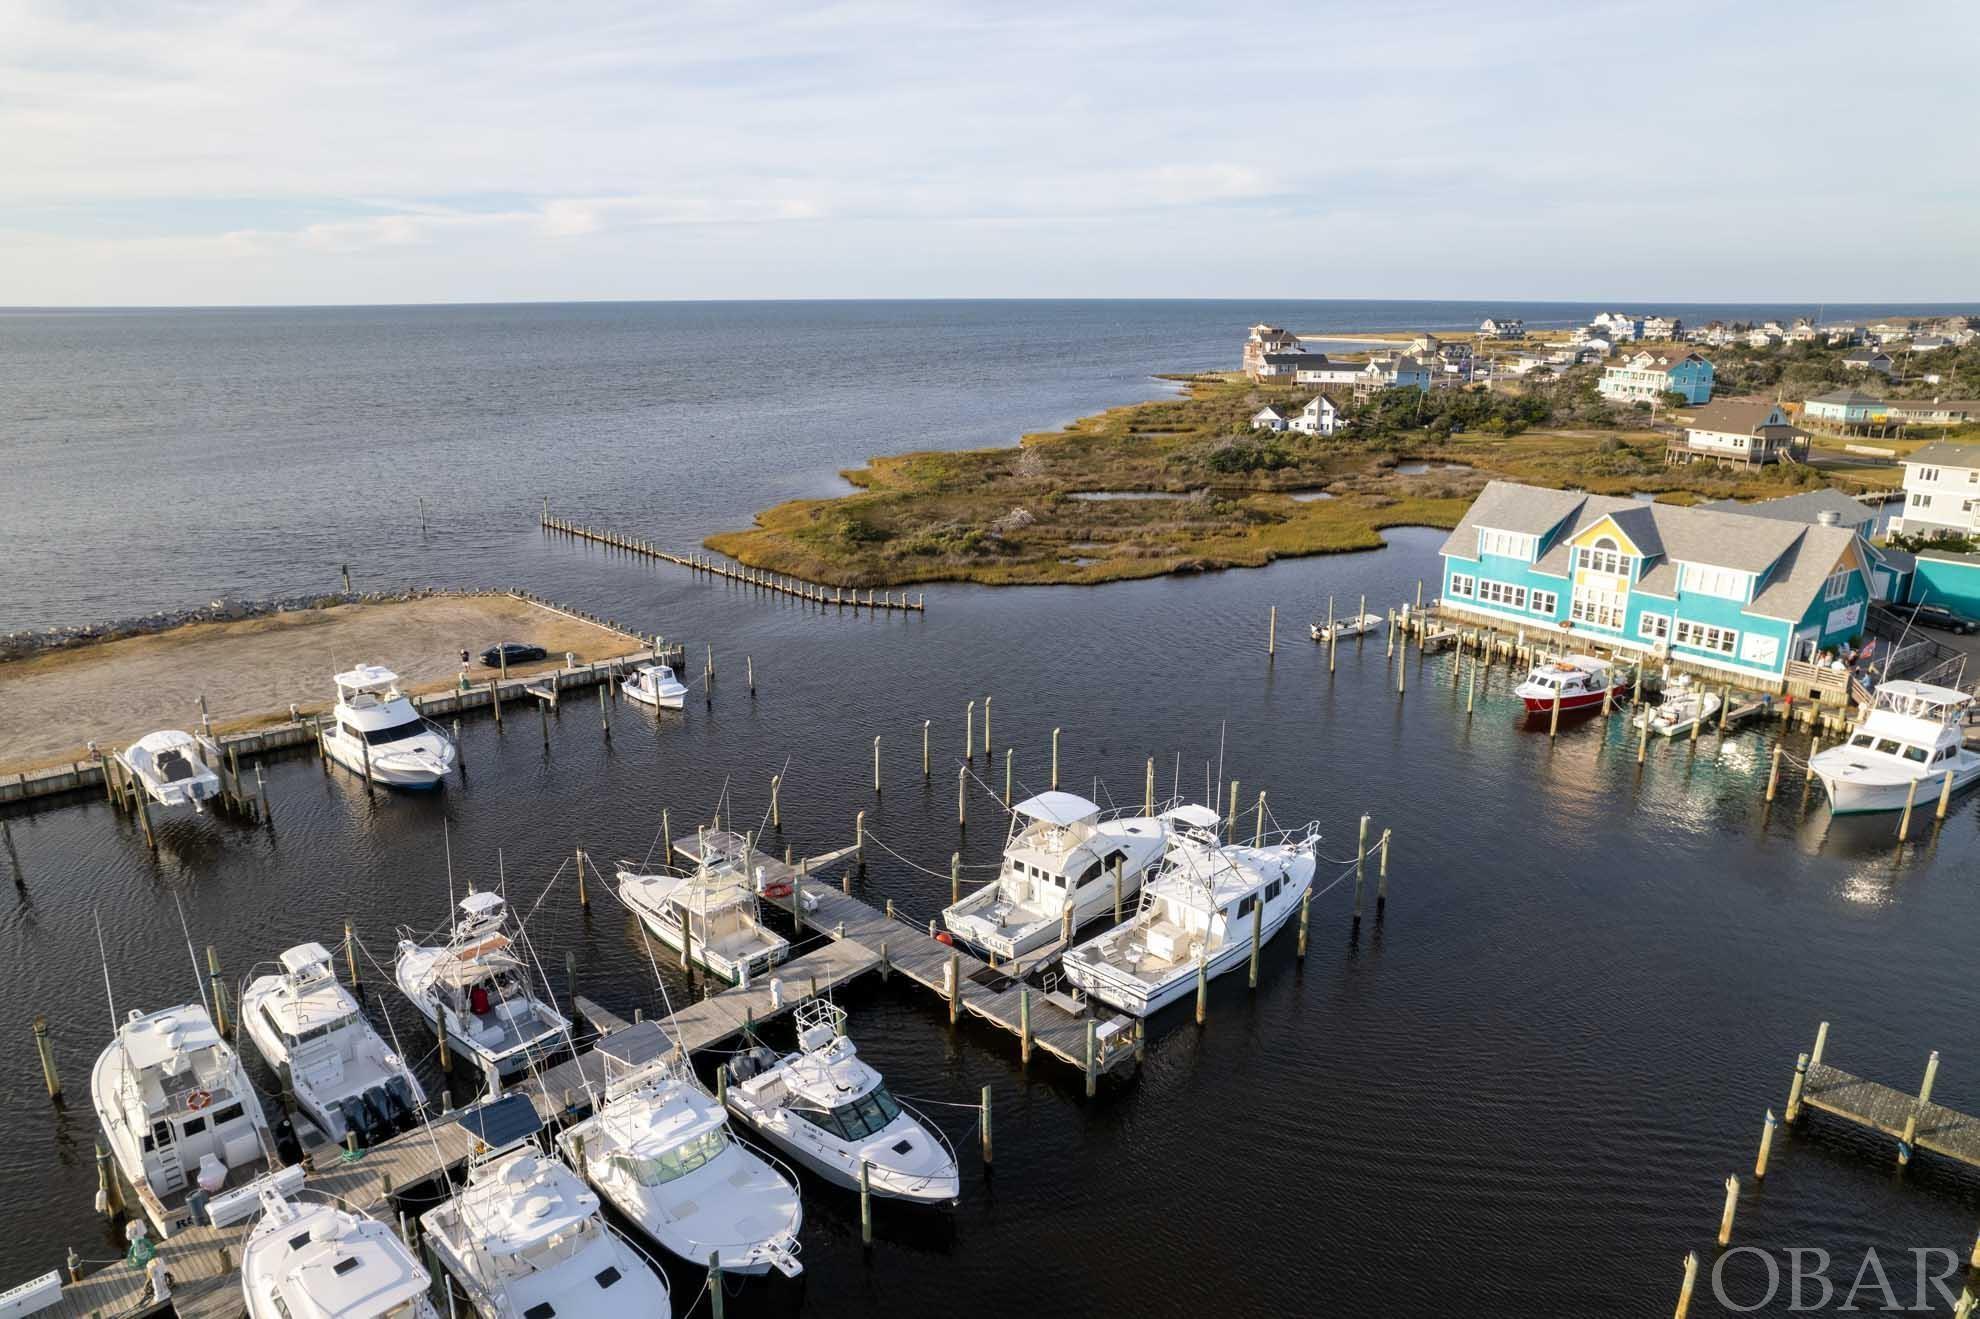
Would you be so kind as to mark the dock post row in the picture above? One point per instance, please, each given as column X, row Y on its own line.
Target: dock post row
column 763, row 581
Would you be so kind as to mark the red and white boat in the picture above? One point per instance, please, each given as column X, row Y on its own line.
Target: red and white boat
column 1577, row 681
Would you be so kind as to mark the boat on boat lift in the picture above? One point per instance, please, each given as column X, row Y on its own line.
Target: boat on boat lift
column 181, row 1117
column 713, row 910
column 1346, row 627
column 374, row 722
column 1060, row 856
column 1686, row 704
column 1579, row 682
column 311, row 1257
column 655, row 685
column 660, row 1150
column 480, row 987
column 523, row 1236
column 827, row 1109
column 1197, row 911
column 1909, row 739
column 169, row 766
column 313, row 1033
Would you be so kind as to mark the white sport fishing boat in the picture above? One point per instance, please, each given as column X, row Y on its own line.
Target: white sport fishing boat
column 311, row 1031
column 660, row 1150
column 712, row 909
column 479, row 985
column 182, row 1120
column 1912, row 736
column 1345, row 627
column 1683, row 706
column 1198, row 910
column 1060, row 856
column 655, row 685
column 169, row 765
column 524, row 1237
column 824, row 1107
column 310, row 1258
column 374, row 721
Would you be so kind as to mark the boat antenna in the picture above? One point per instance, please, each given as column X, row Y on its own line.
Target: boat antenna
column 193, row 956
column 447, row 846
column 1222, row 725
column 109, row 994
column 1178, row 776
column 501, row 876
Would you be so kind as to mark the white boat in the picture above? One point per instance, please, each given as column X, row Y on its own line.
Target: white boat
column 655, row 685
column 659, row 1149
column 524, row 1237
column 1911, row 737
column 824, row 1107
column 1345, row 627
column 312, row 1032
column 1684, row 705
column 181, row 1118
column 169, row 765
column 374, row 721
column 479, row 985
column 1198, row 910
column 314, row 1259
column 1060, row 856
column 713, row 909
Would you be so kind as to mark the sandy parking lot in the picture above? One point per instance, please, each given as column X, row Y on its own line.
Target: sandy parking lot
column 53, row 705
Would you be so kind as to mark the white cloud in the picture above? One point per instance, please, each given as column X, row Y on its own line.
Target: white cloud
column 379, row 151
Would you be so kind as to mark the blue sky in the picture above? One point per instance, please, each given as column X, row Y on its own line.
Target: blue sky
column 204, row 152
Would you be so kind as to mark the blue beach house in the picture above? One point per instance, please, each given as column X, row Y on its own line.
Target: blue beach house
column 1648, row 376
column 1722, row 593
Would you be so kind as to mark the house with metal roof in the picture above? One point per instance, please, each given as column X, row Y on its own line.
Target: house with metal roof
column 1738, row 432
column 1719, row 592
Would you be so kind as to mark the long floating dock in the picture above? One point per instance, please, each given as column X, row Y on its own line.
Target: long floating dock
column 763, row 581
column 1912, row 1119
column 1039, row 1020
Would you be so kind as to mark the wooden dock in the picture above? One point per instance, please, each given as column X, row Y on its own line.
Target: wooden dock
column 1039, row 1020
column 773, row 583
column 1912, row 1119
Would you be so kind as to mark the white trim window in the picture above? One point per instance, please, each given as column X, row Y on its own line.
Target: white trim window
column 1654, row 627
column 1462, row 584
column 1920, row 501
column 1500, row 593
column 1545, row 602
column 1837, row 586
column 1605, row 556
column 1599, row 608
column 1725, row 583
column 1700, row 636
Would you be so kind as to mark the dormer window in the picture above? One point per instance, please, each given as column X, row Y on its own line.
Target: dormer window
column 1510, row 544
column 1725, row 583
column 1605, row 556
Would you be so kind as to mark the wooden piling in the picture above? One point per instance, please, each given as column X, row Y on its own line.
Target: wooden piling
column 1726, row 1218
column 1402, row 668
column 1305, row 909
column 1118, row 862
column 1725, row 706
column 46, row 1052
column 440, row 1033
column 108, row 1184
column 1055, row 760
column 962, row 796
column 776, row 815
column 859, row 837
column 986, row 728
column 1690, row 1281
column 984, row 1125
column 1794, row 1088
column 955, row 878
column 1382, row 873
column 1774, row 773
column 350, row 956
column 142, row 798
column 584, row 898
column 1272, row 633
column 1554, row 719
column 865, row 1204
column 1024, row 1024
column 219, row 984
column 1092, row 1072
column 876, row 765
column 1148, row 790
column 954, row 983
column 1904, row 821
column 1643, row 740
column 1258, row 823
column 749, row 669
column 666, row 839
column 1471, row 686
column 1911, row 1118
column 1945, row 795
column 969, row 731
column 1257, row 937
column 1202, row 990
column 1766, row 1146
column 1008, row 753
column 1231, row 810
column 924, row 749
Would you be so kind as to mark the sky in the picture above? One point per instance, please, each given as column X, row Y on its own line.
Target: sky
column 207, row 153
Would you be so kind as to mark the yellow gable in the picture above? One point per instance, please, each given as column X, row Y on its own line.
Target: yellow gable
column 1606, row 526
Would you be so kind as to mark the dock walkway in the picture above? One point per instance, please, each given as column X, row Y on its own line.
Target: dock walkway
column 1912, row 1119
column 1043, row 1021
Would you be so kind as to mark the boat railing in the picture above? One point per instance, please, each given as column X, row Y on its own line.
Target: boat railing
column 922, row 1183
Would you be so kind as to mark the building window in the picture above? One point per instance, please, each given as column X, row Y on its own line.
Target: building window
column 1928, row 473
column 1654, row 627
column 1461, row 584
column 1837, row 586
column 1725, row 583
column 1545, row 602
column 1598, row 608
column 1499, row 593
column 1508, row 543
column 1700, row 637
column 1920, row 501
column 1605, row 557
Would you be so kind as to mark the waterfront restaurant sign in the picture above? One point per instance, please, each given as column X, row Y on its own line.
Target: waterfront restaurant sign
column 1848, row 616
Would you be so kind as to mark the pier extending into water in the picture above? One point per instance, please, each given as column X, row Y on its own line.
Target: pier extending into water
column 773, row 583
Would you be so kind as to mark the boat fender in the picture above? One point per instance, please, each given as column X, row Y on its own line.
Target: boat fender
column 945, row 937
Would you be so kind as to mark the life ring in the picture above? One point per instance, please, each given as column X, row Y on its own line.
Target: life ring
column 199, row 1099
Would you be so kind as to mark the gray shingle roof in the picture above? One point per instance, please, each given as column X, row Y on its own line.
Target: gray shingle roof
column 1946, row 454
column 1852, row 397
column 1800, row 554
column 1801, row 508
column 1732, row 416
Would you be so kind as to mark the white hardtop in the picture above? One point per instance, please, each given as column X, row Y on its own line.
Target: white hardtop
column 167, row 1039
column 367, row 678
column 663, row 672
column 324, row 1262
column 1217, row 876
column 1921, row 700
column 306, row 963
column 483, row 905
column 1061, row 808
column 166, row 739
column 648, row 1122
column 1566, row 663
column 1192, row 815
column 521, row 1201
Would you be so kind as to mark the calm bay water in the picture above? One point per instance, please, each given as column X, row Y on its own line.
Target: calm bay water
column 1519, row 1094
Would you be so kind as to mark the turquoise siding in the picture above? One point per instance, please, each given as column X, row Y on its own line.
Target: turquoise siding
column 1952, row 583
column 1693, row 380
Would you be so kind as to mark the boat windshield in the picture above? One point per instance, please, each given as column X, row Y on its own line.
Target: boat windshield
column 676, row 1162
column 395, row 732
column 857, row 1119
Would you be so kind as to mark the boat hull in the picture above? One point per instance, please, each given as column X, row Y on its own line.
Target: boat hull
column 386, row 774
column 664, row 701
column 1578, row 701
column 882, row 1184
column 1853, row 794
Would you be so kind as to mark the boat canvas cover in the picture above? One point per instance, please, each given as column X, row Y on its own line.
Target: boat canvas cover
column 1058, row 808
column 626, row 1052
column 465, row 966
column 1196, row 816
column 502, row 1122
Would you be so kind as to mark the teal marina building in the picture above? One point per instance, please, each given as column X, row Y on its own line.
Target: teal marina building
column 1727, row 594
